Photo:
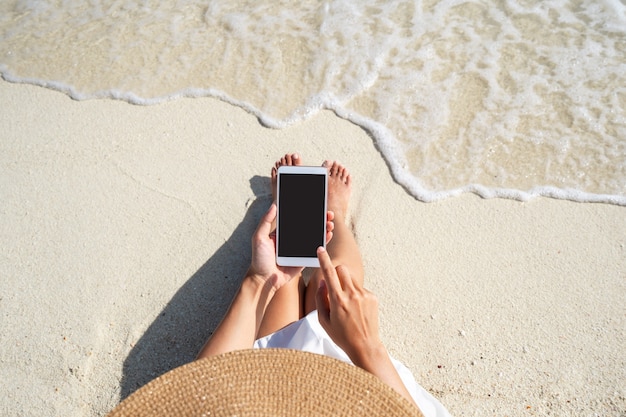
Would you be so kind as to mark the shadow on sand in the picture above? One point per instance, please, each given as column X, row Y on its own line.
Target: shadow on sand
column 180, row 330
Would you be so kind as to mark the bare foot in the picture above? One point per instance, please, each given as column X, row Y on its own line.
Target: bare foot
column 339, row 188
column 288, row 159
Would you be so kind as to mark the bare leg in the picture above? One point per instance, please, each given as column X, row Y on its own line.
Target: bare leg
column 342, row 249
column 286, row 306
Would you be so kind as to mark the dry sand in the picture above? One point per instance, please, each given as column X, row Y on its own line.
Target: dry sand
column 125, row 230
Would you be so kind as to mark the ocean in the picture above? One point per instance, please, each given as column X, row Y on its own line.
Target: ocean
column 509, row 99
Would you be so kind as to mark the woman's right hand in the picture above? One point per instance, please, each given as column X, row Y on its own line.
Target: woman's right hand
column 347, row 311
column 349, row 314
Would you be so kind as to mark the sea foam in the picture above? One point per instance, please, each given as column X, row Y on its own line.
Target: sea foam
column 509, row 99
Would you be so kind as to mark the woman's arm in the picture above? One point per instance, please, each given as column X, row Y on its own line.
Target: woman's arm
column 349, row 314
column 239, row 327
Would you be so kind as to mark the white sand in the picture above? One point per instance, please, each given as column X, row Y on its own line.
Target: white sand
column 124, row 231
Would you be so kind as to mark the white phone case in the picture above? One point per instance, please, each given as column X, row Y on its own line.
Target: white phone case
column 308, row 261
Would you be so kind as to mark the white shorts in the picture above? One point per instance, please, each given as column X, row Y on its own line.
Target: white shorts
column 308, row 335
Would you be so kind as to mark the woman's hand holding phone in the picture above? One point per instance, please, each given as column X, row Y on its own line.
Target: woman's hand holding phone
column 241, row 324
column 263, row 265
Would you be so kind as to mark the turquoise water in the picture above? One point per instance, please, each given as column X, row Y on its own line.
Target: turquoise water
column 505, row 99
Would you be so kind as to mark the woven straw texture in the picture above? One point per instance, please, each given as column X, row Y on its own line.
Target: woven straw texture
column 266, row 382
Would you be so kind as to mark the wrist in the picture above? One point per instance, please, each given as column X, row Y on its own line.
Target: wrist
column 269, row 279
column 369, row 356
column 258, row 287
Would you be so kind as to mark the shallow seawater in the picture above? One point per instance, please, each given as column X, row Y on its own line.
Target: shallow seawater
column 501, row 98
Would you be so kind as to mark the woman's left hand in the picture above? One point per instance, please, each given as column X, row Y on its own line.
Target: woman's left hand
column 263, row 265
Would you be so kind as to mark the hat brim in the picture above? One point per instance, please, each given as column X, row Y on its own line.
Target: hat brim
column 266, row 382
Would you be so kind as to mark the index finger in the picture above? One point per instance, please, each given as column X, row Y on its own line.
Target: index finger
column 328, row 270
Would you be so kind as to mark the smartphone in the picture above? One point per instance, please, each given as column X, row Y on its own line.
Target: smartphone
column 302, row 195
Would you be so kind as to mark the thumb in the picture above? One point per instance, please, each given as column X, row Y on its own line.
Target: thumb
column 265, row 226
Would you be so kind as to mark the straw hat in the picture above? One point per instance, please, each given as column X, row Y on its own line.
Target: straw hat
column 266, row 382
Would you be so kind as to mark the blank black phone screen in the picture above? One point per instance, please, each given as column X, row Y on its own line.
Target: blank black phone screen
column 302, row 214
